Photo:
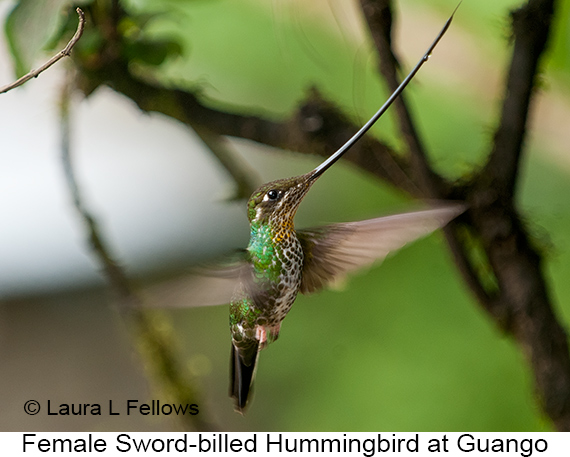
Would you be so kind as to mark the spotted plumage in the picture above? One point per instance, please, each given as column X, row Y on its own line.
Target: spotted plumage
column 274, row 252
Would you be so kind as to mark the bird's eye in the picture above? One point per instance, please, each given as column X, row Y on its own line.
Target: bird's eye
column 272, row 194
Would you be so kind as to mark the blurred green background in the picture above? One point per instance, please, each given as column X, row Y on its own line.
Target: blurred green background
column 403, row 347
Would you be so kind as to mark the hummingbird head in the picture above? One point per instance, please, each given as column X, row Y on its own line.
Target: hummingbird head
column 278, row 200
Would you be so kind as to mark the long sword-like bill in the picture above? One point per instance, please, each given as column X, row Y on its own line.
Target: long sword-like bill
column 333, row 158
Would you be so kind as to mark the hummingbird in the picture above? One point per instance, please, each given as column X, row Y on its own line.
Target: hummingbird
column 280, row 261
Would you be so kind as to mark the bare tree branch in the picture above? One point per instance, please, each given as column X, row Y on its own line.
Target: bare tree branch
column 153, row 342
column 521, row 305
column 531, row 26
column 523, row 292
column 379, row 16
column 63, row 53
column 317, row 127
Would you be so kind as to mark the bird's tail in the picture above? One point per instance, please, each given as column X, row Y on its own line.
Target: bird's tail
column 243, row 364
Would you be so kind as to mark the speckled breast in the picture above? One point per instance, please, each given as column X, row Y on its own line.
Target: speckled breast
column 277, row 297
column 266, row 297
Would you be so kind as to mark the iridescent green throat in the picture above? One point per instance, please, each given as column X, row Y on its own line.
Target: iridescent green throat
column 263, row 252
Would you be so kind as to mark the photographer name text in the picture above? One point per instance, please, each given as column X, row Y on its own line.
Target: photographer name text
column 111, row 408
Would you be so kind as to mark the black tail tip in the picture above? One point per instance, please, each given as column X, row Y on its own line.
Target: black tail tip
column 241, row 399
column 243, row 364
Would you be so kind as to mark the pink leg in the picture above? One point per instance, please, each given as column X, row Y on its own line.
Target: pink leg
column 261, row 335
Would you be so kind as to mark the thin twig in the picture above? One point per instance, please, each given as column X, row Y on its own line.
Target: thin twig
column 63, row 53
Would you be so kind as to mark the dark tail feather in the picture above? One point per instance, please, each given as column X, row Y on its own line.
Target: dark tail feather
column 243, row 363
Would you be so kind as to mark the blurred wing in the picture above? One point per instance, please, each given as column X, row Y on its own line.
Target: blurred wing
column 205, row 287
column 333, row 251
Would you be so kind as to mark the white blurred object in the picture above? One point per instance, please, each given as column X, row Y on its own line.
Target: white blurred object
column 155, row 190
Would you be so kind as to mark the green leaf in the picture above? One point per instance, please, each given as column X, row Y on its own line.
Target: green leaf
column 30, row 25
column 152, row 52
